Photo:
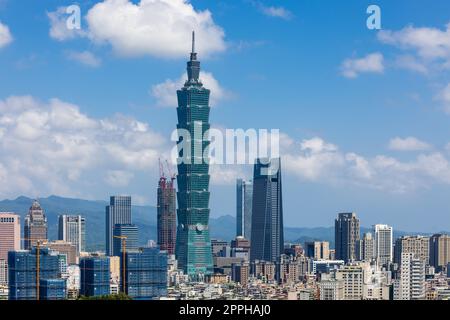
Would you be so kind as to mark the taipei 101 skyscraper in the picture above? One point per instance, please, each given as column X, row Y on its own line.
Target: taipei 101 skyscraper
column 193, row 248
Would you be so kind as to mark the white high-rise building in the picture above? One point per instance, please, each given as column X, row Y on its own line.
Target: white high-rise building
column 383, row 248
column 244, row 199
column 410, row 284
column 73, row 229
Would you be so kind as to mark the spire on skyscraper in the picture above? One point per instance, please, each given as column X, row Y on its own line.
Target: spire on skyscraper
column 193, row 66
column 193, row 53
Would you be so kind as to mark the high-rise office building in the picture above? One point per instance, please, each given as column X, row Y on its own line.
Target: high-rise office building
column 347, row 234
column 72, row 228
column 439, row 251
column 23, row 274
column 418, row 245
column 267, row 235
column 383, row 244
column 9, row 233
column 117, row 212
column 366, row 248
column 167, row 218
column 244, row 200
column 35, row 226
column 145, row 273
column 94, row 276
column 410, row 283
column 318, row 250
column 193, row 248
column 127, row 233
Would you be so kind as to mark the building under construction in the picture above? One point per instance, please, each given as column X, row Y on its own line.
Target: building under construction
column 167, row 219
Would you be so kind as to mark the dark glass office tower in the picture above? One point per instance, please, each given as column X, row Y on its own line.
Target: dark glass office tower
column 267, row 237
column 193, row 248
column 118, row 212
column 346, row 234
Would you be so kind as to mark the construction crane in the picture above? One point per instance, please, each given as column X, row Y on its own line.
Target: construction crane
column 172, row 175
column 124, row 248
column 162, row 175
column 38, row 261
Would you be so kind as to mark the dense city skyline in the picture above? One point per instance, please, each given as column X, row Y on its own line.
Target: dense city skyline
column 115, row 93
column 275, row 179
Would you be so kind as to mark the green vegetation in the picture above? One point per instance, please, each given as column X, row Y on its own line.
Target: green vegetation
column 120, row 296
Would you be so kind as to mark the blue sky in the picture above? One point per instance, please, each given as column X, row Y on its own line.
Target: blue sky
column 365, row 114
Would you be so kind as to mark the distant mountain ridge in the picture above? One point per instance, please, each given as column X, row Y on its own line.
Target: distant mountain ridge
column 223, row 227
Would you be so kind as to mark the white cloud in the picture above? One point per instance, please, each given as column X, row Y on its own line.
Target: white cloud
column 277, row 12
column 84, row 57
column 160, row 28
column 372, row 63
column 5, row 35
column 314, row 160
column 52, row 147
column 58, row 26
column 408, row 144
column 361, row 167
column 430, row 43
column 427, row 48
column 316, row 145
column 165, row 92
column 321, row 162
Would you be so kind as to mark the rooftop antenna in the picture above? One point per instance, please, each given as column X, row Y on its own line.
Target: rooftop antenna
column 193, row 53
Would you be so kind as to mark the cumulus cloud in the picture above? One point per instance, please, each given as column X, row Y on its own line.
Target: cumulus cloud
column 428, row 47
column 319, row 161
column 430, row 43
column 277, row 12
column 160, row 28
column 408, row 144
column 165, row 92
column 5, row 35
column 84, row 57
column 372, row 63
column 53, row 147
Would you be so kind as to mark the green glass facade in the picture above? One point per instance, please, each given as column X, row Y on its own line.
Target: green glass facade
column 193, row 248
